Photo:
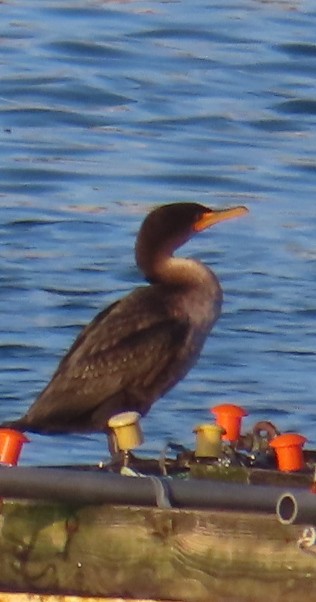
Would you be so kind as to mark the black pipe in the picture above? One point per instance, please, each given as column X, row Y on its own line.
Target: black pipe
column 70, row 485
column 227, row 496
column 297, row 506
column 84, row 487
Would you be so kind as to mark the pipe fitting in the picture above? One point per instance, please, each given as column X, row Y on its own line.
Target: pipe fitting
column 127, row 430
column 208, row 440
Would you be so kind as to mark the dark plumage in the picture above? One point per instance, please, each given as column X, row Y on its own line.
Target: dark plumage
column 141, row 346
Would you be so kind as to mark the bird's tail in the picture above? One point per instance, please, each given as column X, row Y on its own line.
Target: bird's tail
column 16, row 425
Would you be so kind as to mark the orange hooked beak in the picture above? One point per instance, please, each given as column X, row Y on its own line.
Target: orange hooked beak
column 211, row 217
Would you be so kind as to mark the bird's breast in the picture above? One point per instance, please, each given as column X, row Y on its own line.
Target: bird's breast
column 201, row 306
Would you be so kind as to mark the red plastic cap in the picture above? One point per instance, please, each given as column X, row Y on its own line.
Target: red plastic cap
column 11, row 443
column 287, row 440
column 229, row 417
column 288, row 449
column 229, row 408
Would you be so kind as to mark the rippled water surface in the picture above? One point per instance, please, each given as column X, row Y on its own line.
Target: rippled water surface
column 109, row 108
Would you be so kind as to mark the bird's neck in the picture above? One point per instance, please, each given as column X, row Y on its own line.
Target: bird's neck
column 179, row 271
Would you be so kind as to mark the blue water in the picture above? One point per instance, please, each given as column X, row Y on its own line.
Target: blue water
column 109, row 108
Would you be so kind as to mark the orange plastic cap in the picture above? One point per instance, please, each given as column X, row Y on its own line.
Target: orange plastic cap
column 11, row 443
column 289, row 452
column 229, row 417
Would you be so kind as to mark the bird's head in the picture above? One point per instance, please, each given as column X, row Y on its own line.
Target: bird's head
column 168, row 227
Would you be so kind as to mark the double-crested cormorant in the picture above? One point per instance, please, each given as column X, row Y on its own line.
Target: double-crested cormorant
column 134, row 351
